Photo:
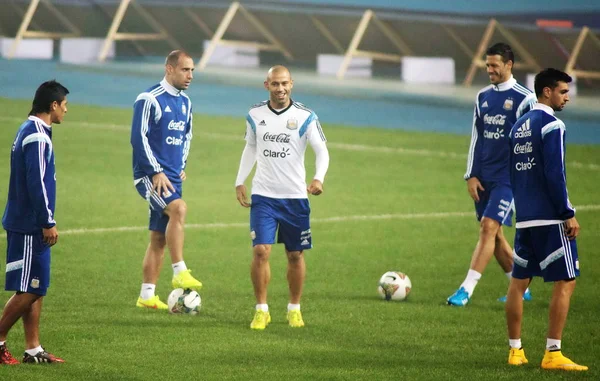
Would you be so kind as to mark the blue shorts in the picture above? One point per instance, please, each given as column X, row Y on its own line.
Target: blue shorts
column 545, row 251
column 158, row 219
column 495, row 202
column 27, row 263
column 291, row 216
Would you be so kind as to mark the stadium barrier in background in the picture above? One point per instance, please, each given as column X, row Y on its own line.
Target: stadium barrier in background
column 340, row 34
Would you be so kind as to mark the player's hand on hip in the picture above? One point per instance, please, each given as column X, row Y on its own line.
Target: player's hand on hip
column 50, row 236
column 474, row 186
column 315, row 188
column 572, row 228
column 240, row 193
column 182, row 175
column 162, row 185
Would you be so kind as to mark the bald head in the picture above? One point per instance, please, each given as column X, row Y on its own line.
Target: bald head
column 278, row 70
column 179, row 69
column 174, row 56
column 279, row 84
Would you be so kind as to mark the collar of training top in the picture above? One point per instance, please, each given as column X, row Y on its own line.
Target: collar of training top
column 36, row 119
column 170, row 88
column 543, row 107
column 506, row 85
column 280, row 111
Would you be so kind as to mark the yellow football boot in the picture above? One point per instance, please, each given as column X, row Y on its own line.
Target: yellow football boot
column 152, row 303
column 294, row 317
column 185, row 280
column 556, row 360
column 517, row 357
column 261, row 320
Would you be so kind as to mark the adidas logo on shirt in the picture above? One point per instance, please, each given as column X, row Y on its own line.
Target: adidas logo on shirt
column 262, row 123
column 484, row 104
column 524, row 130
column 167, row 109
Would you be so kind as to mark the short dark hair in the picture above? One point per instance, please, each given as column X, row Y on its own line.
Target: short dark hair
column 173, row 57
column 549, row 78
column 45, row 95
column 503, row 50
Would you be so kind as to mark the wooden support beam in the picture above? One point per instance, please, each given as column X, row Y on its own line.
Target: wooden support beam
column 250, row 44
column 156, row 25
column 321, row 27
column 378, row 56
column 218, row 36
column 398, row 42
column 576, row 50
column 62, row 18
column 199, row 23
column 266, row 33
column 459, row 41
column 114, row 27
column 483, row 44
column 21, row 13
column 518, row 47
column 23, row 28
column 356, row 39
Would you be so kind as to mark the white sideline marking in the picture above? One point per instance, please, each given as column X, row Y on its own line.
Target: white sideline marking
column 375, row 217
column 342, row 146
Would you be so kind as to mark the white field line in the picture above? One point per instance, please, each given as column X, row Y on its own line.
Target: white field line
column 334, row 145
column 374, row 217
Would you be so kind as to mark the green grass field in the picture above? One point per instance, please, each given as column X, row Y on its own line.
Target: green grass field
column 378, row 213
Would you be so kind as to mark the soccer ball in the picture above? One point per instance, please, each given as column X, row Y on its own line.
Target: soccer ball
column 184, row 301
column 394, row 285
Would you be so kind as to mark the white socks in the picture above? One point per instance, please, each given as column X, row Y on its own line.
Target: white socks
column 515, row 343
column 471, row 281
column 265, row 307
column 262, row 307
column 34, row 351
column 178, row 267
column 147, row 291
column 553, row 345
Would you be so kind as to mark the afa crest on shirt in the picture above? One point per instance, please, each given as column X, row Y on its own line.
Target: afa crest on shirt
column 292, row 124
column 508, row 104
column 183, row 108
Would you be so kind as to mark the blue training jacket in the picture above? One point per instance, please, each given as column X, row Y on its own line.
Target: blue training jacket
column 161, row 132
column 497, row 108
column 32, row 186
column 537, row 169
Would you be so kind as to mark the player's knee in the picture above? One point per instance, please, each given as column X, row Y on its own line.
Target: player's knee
column 518, row 285
column 262, row 252
column 158, row 241
column 489, row 228
column 566, row 287
column 177, row 209
column 294, row 256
